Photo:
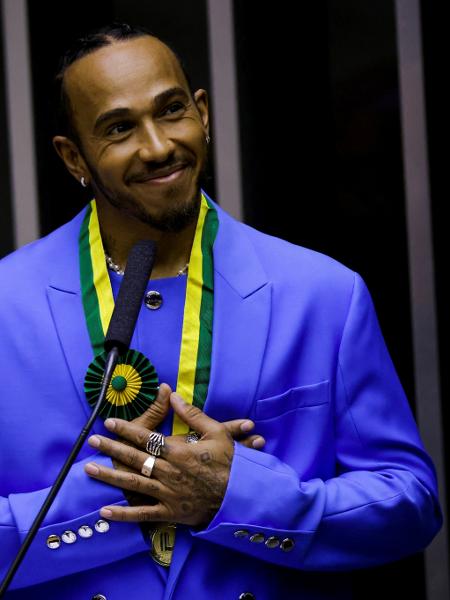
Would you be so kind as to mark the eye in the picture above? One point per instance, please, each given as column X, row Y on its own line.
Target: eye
column 119, row 128
column 175, row 108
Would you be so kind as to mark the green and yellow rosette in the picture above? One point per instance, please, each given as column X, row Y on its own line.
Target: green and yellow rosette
column 133, row 387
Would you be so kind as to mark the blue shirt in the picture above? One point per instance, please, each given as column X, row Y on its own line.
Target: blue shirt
column 158, row 332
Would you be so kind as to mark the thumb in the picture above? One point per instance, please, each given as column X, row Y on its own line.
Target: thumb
column 193, row 416
column 156, row 412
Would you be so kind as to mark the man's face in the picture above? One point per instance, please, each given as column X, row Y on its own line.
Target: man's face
column 142, row 135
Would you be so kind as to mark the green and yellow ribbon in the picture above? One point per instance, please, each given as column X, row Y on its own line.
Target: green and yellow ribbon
column 130, row 393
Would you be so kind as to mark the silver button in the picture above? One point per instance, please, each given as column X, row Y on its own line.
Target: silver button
column 53, row 542
column 153, row 300
column 99, row 597
column 287, row 544
column 102, row 526
column 69, row 537
column 272, row 542
column 246, row 596
column 257, row 538
column 241, row 533
column 85, row 531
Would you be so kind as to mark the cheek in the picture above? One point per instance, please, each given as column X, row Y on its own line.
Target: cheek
column 112, row 163
column 190, row 134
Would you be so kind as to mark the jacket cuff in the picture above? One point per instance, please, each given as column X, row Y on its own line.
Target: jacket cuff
column 257, row 516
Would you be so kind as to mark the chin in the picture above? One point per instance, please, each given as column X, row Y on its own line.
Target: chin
column 172, row 220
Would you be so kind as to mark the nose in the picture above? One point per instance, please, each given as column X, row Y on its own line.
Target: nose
column 154, row 145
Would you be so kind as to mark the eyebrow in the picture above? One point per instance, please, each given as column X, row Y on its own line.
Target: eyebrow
column 122, row 112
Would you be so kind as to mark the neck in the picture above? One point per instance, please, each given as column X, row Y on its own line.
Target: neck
column 121, row 231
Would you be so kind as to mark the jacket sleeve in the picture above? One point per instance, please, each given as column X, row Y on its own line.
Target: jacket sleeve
column 77, row 504
column 382, row 502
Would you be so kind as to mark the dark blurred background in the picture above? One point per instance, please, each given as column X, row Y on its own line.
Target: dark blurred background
column 321, row 153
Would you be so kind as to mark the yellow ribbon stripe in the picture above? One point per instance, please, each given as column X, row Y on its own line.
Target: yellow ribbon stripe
column 102, row 282
column 191, row 322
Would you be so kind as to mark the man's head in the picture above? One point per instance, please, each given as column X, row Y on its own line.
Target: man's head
column 133, row 129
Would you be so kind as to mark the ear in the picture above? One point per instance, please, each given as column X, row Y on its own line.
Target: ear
column 72, row 157
column 201, row 101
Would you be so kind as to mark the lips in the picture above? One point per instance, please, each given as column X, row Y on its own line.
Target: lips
column 159, row 174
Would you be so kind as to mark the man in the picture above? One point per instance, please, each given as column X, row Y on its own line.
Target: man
column 248, row 326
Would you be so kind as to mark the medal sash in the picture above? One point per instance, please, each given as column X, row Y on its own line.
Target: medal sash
column 196, row 342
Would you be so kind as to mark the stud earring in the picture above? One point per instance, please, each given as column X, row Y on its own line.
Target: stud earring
column 83, row 182
column 208, row 139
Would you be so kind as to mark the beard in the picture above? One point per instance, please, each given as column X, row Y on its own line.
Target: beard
column 173, row 219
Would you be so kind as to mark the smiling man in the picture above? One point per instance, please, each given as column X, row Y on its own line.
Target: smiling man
column 288, row 455
column 140, row 142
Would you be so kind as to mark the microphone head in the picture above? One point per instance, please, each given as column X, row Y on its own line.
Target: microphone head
column 131, row 293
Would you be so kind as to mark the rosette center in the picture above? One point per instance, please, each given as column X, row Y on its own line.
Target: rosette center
column 119, row 383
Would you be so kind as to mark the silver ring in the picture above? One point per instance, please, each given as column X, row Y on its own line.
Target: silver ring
column 154, row 443
column 148, row 465
column 192, row 437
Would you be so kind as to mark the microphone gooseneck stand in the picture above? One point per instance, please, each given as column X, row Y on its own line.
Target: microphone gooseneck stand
column 117, row 341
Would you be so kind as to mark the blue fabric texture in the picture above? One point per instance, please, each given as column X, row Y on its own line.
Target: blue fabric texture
column 296, row 347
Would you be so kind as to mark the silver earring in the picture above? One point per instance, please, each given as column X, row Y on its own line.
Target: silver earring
column 83, row 182
column 208, row 139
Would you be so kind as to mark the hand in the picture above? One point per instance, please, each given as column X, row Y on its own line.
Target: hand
column 188, row 480
column 238, row 428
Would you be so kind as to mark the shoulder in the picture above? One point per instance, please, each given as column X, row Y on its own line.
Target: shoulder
column 34, row 264
column 290, row 266
column 280, row 256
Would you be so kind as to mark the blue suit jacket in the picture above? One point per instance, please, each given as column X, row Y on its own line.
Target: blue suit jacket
column 297, row 348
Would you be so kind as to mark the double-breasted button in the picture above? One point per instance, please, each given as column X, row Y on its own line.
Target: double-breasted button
column 53, row 541
column 247, row 596
column 85, row 531
column 241, row 533
column 272, row 542
column 257, row 538
column 101, row 526
column 287, row 544
column 99, row 597
column 69, row 537
column 153, row 300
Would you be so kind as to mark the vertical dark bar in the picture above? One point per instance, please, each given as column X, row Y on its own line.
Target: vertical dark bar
column 224, row 91
column 421, row 268
column 6, row 223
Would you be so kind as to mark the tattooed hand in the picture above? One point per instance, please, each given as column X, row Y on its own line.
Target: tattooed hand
column 188, row 480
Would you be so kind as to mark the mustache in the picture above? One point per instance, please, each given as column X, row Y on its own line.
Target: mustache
column 155, row 170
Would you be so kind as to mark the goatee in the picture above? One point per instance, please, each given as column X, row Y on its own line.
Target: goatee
column 173, row 220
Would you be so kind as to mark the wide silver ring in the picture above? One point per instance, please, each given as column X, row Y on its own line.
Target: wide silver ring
column 148, row 465
column 155, row 443
column 192, row 437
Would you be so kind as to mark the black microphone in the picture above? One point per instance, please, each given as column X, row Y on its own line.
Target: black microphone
column 117, row 341
column 129, row 300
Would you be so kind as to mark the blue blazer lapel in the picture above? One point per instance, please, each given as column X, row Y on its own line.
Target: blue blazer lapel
column 242, row 305
column 64, row 298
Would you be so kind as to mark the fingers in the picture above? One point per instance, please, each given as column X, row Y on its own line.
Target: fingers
column 127, row 455
column 136, row 514
column 253, row 441
column 158, row 410
column 131, row 431
column 126, row 480
column 193, row 416
column 238, row 427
